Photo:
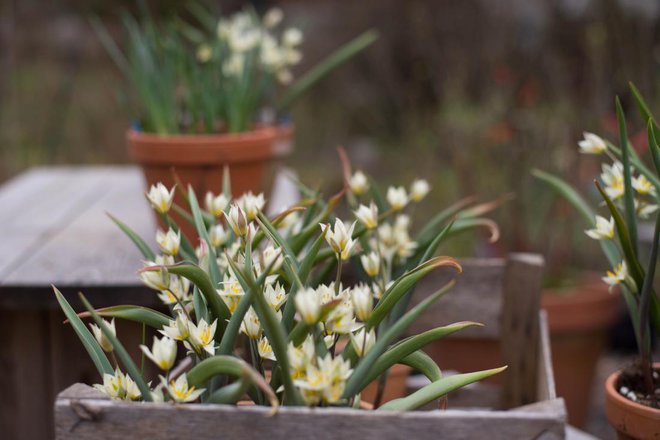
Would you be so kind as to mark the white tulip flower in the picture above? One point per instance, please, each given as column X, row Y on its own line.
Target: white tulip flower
column 397, row 197
column 292, row 37
column 162, row 353
column 119, row 386
column 201, row 336
column 643, row 185
column 178, row 329
column 237, row 221
column 160, row 198
column 101, row 338
column 272, row 257
column 251, row 204
column 180, row 391
column 272, row 18
column 592, row 144
column 265, row 349
column 275, row 296
column 419, row 189
column 251, row 325
column 617, row 276
column 308, row 305
column 604, row 229
column 612, row 177
column 340, row 239
column 233, row 67
column 358, row 183
column 169, row 242
column 218, row 235
column 363, row 301
column 361, row 343
column 371, row 263
column 337, row 370
column 216, row 205
column 341, row 319
column 368, row 215
column 178, row 291
column 301, row 356
column 644, row 210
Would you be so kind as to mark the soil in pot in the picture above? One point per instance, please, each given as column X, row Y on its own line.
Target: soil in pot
column 579, row 319
column 633, row 419
column 199, row 160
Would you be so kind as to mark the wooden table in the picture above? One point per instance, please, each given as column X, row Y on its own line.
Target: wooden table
column 55, row 230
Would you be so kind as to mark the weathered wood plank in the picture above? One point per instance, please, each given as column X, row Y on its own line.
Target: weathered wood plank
column 85, row 418
column 91, row 250
column 520, row 327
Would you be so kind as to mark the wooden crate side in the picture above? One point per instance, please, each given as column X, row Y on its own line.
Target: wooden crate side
column 82, row 415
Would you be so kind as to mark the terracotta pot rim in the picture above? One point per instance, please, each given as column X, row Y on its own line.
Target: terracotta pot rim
column 261, row 132
column 618, row 400
column 587, row 309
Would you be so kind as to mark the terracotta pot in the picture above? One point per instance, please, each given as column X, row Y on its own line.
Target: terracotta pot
column 395, row 387
column 199, row 160
column 579, row 319
column 630, row 420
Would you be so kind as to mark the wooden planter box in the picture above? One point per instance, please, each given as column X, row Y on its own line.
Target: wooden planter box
column 82, row 413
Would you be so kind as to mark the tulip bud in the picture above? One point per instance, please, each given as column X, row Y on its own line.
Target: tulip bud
column 163, row 352
column 397, row 197
column 371, row 263
column 419, row 189
column 237, row 221
column 216, row 205
column 159, row 198
column 362, row 302
column 169, row 242
column 101, row 338
column 308, row 304
column 368, row 215
column 358, row 183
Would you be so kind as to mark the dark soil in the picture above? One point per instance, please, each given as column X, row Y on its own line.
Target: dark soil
column 631, row 385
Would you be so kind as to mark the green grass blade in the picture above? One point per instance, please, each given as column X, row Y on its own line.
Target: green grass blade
column 144, row 248
column 140, row 314
column 437, row 389
column 88, row 340
column 121, row 352
column 628, row 194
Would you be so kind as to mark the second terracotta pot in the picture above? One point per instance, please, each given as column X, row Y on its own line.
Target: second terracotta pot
column 579, row 319
column 395, row 386
column 199, row 160
column 631, row 420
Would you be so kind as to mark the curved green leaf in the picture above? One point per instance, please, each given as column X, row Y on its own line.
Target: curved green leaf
column 437, row 389
column 135, row 238
column 88, row 340
column 144, row 315
column 423, row 363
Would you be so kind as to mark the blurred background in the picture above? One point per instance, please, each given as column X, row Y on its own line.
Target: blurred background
column 470, row 95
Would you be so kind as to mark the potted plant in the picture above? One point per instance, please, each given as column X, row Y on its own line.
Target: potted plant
column 629, row 190
column 214, row 94
column 260, row 310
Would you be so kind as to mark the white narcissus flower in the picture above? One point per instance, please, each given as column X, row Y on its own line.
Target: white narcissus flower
column 218, row 235
column 358, row 183
column 251, row 204
column 371, row 263
column 363, row 301
column 397, row 197
column 251, row 325
column 604, row 229
column 275, row 296
column 237, row 221
column 308, row 305
column 178, row 329
column 612, row 177
column 292, row 37
column 216, row 205
column 368, row 215
column 340, row 239
column 101, row 338
column 643, row 186
column 272, row 17
column 201, row 336
column 265, row 350
column 162, row 353
column 617, row 276
column 419, row 189
column 592, row 144
column 180, row 391
column 119, row 386
column 169, row 242
column 361, row 343
column 160, row 198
